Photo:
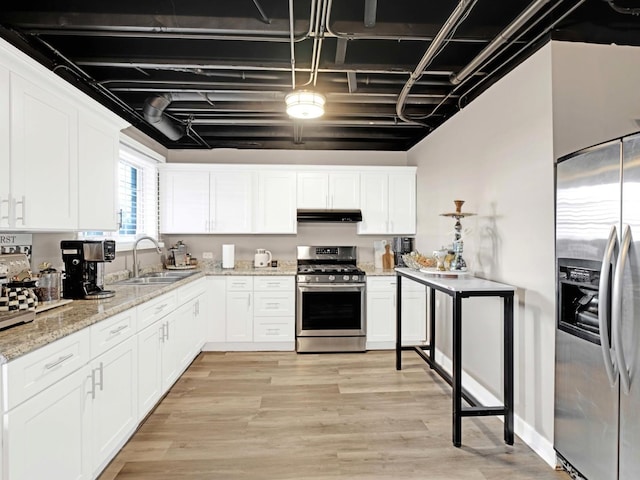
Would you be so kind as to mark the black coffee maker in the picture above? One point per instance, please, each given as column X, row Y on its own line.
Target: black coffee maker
column 400, row 246
column 84, row 268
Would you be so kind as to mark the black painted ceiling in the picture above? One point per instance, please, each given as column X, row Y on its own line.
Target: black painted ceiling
column 218, row 71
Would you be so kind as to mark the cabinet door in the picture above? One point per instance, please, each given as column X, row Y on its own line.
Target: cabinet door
column 184, row 202
column 170, row 352
column 402, row 203
column 381, row 314
column 44, row 158
column 414, row 314
column 97, row 174
column 5, row 192
column 239, row 316
column 231, row 195
column 374, row 203
column 185, row 333
column 48, row 436
column 115, row 401
column 344, row 190
column 216, row 321
column 276, row 202
column 149, row 368
column 313, row 190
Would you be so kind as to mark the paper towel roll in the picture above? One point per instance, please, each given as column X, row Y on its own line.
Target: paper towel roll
column 228, row 256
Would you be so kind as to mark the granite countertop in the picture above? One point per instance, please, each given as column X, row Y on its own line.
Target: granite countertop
column 247, row 268
column 372, row 271
column 54, row 324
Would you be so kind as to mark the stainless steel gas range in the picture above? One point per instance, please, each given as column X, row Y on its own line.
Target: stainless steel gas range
column 330, row 302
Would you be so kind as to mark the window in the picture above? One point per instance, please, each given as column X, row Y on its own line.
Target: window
column 137, row 196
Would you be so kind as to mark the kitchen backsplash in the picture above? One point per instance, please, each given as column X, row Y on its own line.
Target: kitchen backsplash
column 46, row 246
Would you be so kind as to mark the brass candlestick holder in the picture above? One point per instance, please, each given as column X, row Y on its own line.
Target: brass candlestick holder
column 458, row 263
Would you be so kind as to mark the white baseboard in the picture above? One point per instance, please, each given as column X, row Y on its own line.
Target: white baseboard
column 249, row 346
column 539, row 444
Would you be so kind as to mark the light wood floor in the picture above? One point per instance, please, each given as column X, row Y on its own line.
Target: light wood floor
column 331, row 416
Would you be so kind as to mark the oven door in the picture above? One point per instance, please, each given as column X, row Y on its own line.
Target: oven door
column 330, row 310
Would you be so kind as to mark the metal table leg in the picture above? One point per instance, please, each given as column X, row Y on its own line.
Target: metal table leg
column 508, row 368
column 457, row 370
column 398, row 322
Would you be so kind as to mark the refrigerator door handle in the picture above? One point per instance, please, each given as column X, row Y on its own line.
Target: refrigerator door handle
column 616, row 309
column 603, row 300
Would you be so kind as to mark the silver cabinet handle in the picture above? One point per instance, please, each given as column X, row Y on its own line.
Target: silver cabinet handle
column 60, row 360
column 161, row 332
column 6, row 217
column 118, row 331
column 95, row 384
column 603, row 300
column 159, row 308
column 616, row 307
column 23, row 209
column 167, row 331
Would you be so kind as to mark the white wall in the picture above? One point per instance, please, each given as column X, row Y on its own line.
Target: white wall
column 596, row 94
column 497, row 155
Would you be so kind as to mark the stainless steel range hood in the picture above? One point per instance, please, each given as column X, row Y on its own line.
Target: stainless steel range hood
column 333, row 216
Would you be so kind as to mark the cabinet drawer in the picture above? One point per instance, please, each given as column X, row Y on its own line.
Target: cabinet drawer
column 25, row 376
column 381, row 283
column 268, row 304
column 112, row 331
column 271, row 284
column 155, row 309
column 274, row 330
column 239, row 284
column 192, row 290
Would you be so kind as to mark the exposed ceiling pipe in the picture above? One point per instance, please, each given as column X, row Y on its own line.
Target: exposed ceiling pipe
column 370, row 11
column 434, row 48
column 153, row 111
column 371, row 36
column 263, row 16
column 502, row 38
column 293, row 50
column 510, row 59
column 625, row 10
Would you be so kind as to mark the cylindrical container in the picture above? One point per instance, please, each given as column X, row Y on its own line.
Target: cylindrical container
column 49, row 287
column 228, row 256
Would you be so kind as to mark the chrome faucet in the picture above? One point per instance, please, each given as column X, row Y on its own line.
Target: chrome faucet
column 135, row 251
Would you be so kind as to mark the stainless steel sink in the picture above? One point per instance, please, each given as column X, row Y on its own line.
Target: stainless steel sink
column 157, row 278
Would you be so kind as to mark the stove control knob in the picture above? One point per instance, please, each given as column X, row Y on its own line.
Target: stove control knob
column 345, row 278
column 332, row 278
column 354, row 278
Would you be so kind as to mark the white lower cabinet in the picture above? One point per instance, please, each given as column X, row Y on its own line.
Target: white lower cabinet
column 251, row 313
column 115, row 401
column 149, row 367
column 274, row 309
column 381, row 312
column 239, row 309
column 49, row 435
column 70, row 406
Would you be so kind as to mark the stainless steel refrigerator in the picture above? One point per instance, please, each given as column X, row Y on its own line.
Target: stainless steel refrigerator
column 597, row 381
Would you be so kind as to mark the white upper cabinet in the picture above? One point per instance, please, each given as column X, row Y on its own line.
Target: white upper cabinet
column 230, row 195
column 59, row 151
column 388, row 202
column 197, row 199
column 5, row 160
column 44, row 158
column 329, row 190
column 184, row 201
column 98, row 153
column 275, row 208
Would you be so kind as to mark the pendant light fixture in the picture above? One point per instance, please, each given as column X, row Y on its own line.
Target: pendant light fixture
column 305, row 104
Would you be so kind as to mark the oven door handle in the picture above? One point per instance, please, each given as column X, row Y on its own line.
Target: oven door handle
column 336, row 286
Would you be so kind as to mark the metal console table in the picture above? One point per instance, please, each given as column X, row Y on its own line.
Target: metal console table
column 457, row 289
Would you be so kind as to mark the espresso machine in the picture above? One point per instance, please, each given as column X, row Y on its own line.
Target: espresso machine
column 84, row 268
column 400, row 246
